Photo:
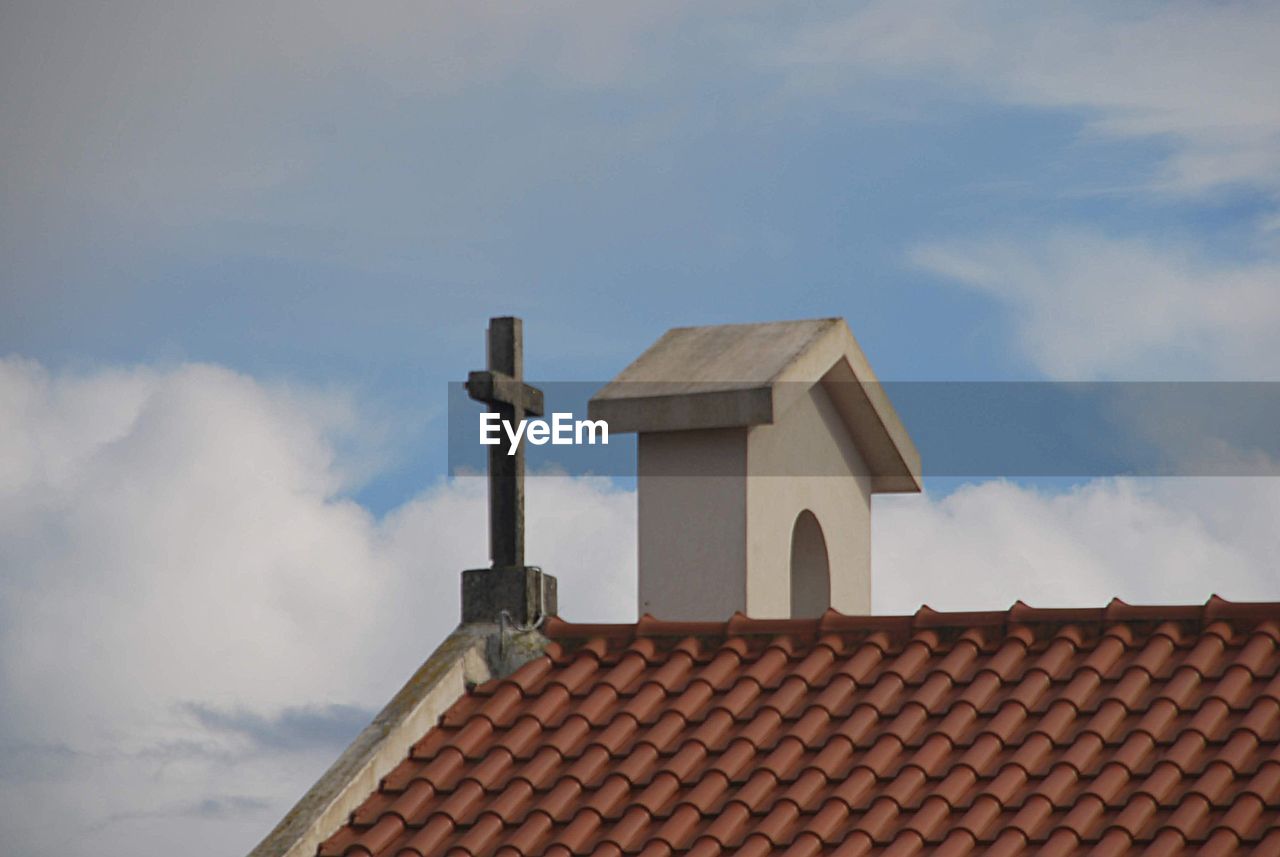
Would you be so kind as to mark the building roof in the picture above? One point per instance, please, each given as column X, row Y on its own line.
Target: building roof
column 1116, row 730
column 718, row 357
column 741, row 375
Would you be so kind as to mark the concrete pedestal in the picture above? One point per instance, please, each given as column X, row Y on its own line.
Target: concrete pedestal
column 524, row 593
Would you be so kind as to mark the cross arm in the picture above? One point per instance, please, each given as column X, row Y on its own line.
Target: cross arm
column 495, row 388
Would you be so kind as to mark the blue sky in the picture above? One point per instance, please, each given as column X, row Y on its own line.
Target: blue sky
column 246, row 247
column 298, row 203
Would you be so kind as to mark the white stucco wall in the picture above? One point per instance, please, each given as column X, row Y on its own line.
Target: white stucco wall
column 717, row 508
column 806, row 460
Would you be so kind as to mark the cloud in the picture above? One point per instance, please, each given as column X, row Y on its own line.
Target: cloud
column 179, row 111
column 190, row 608
column 186, row 108
column 293, row 728
column 1087, row 305
column 1153, row 541
column 1198, row 78
column 217, row 807
column 194, row 179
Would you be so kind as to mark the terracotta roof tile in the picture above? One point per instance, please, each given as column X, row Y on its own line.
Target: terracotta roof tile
column 1107, row 731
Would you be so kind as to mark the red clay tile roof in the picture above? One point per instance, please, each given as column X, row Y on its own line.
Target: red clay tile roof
column 1120, row 730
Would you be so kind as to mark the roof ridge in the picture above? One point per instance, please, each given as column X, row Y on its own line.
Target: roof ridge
column 926, row 618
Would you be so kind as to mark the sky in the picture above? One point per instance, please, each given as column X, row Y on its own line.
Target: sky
column 246, row 246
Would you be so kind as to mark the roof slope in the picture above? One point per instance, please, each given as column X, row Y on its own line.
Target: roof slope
column 742, row 375
column 1115, row 730
column 689, row 360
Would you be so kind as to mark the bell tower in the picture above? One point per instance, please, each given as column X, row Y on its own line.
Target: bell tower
column 760, row 446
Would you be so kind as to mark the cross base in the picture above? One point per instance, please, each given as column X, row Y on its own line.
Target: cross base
column 526, row 594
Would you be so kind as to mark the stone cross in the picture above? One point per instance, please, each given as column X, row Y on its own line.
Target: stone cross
column 502, row 388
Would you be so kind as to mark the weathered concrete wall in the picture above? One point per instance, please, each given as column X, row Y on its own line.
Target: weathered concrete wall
column 692, row 523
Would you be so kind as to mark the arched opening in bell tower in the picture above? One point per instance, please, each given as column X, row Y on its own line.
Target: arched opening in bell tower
column 810, row 568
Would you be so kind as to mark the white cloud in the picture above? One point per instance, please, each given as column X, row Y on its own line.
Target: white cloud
column 183, row 588
column 1087, row 305
column 1199, row 77
column 1153, row 541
